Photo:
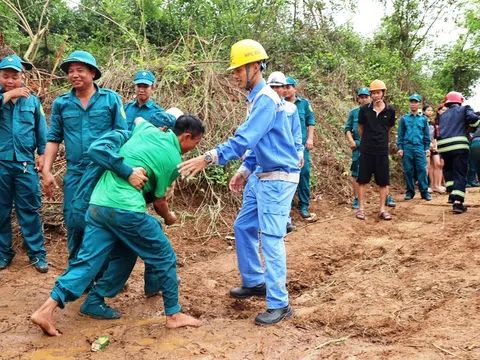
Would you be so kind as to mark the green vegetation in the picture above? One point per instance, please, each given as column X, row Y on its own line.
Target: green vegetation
column 186, row 43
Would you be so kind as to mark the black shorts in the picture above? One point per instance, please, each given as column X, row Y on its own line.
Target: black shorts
column 377, row 165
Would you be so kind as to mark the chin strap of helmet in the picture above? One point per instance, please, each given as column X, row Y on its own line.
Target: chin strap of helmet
column 377, row 101
column 262, row 67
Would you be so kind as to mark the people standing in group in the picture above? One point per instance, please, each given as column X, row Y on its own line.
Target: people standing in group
column 307, row 123
column 267, row 133
column 143, row 106
column 375, row 122
column 22, row 132
column 78, row 118
column 414, row 147
column 454, row 147
column 434, row 162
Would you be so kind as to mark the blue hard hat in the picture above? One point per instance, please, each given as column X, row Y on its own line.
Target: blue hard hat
column 11, row 62
column 415, row 97
column 82, row 57
column 291, row 81
column 144, row 77
column 162, row 118
column 363, row 91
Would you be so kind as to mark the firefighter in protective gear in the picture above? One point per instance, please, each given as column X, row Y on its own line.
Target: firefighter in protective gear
column 453, row 146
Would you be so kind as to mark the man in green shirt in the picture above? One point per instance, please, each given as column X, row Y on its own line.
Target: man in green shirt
column 117, row 221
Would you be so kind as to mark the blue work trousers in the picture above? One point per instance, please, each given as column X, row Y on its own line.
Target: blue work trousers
column 415, row 162
column 266, row 206
column 19, row 183
column 74, row 232
column 117, row 233
column 304, row 183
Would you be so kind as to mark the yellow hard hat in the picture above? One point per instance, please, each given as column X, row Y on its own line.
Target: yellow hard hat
column 245, row 52
column 377, row 85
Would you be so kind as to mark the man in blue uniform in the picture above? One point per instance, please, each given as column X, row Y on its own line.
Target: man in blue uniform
column 26, row 66
column 22, row 131
column 413, row 144
column 143, row 106
column 307, row 123
column 277, row 81
column 79, row 117
column 268, row 134
column 246, row 226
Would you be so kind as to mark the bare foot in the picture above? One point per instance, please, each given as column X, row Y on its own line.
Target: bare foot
column 180, row 320
column 43, row 317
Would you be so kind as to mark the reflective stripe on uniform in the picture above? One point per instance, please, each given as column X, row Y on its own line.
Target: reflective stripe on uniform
column 452, row 139
column 453, row 147
column 458, row 193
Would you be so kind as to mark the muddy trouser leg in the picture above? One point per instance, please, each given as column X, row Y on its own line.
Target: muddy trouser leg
column 274, row 198
column 143, row 234
column 27, row 205
column 95, row 248
column 6, row 204
column 460, row 168
column 246, row 228
column 114, row 274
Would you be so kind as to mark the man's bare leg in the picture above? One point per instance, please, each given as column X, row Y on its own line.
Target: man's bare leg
column 43, row 317
column 361, row 196
column 356, row 186
column 180, row 320
column 383, row 197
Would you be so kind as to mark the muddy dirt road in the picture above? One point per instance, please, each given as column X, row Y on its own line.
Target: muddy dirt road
column 405, row 289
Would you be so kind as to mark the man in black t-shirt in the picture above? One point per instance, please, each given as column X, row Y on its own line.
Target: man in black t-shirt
column 375, row 121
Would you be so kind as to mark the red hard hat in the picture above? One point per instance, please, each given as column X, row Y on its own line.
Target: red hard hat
column 453, row 97
column 441, row 106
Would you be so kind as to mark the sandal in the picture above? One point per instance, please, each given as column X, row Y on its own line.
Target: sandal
column 360, row 215
column 385, row 216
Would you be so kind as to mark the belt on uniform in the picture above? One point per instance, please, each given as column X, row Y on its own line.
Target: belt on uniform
column 279, row 175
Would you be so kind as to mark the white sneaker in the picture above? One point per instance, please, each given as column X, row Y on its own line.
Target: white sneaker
column 430, row 190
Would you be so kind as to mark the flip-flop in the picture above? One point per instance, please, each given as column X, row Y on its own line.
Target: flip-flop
column 360, row 215
column 385, row 216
